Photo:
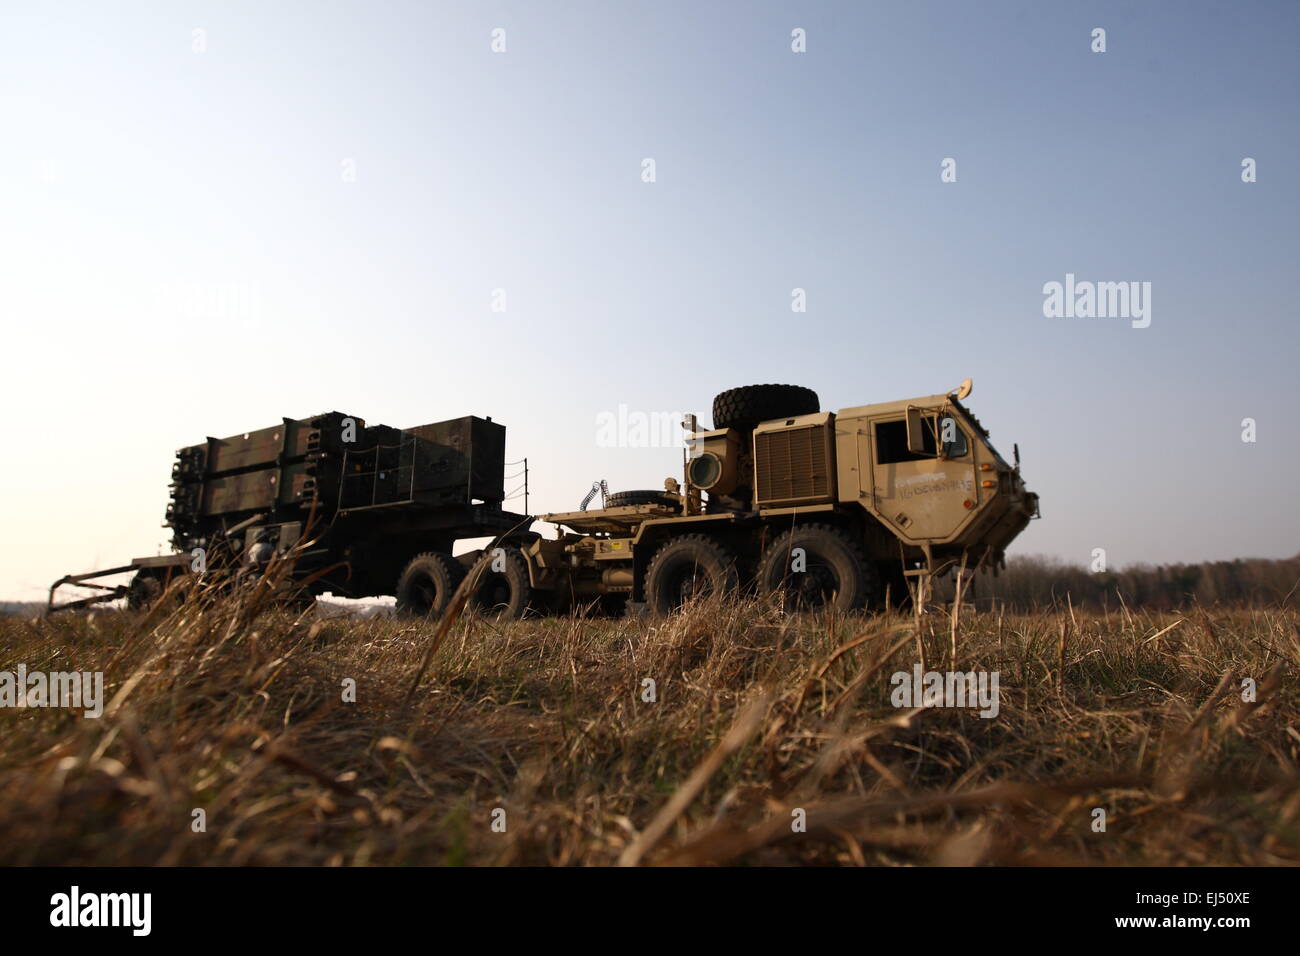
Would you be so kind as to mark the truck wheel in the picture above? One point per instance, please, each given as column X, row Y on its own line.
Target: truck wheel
column 427, row 584
column 748, row 405
column 145, row 589
column 504, row 592
column 620, row 498
column 688, row 567
column 827, row 570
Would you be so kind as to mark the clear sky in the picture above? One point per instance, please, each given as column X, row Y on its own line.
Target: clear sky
column 308, row 206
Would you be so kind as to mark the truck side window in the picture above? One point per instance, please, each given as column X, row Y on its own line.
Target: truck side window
column 891, row 442
column 957, row 447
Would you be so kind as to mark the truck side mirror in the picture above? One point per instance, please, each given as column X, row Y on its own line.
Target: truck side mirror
column 915, row 434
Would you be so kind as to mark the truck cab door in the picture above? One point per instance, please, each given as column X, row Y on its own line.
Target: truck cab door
column 923, row 473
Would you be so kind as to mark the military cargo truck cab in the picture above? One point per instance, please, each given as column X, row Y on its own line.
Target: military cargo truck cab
column 818, row 508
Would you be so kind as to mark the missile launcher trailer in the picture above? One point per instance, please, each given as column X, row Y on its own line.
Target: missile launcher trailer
column 355, row 502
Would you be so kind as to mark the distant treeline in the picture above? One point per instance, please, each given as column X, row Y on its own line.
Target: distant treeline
column 1034, row 582
column 21, row 608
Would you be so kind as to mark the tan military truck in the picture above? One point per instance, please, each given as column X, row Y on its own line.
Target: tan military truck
column 834, row 509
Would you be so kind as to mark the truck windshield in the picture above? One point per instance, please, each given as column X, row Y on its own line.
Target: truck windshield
column 965, row 416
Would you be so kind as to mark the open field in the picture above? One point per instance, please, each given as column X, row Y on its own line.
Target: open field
column 239, row 711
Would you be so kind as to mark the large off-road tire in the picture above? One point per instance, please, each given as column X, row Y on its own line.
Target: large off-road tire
column 427, row 584
column 688, row 567
column 748, row 405
column 503, row 592
column 144, row 591
column 830, row 571
column 620, row 499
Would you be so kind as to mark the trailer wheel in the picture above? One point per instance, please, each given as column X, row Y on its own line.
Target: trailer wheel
column 427, row 584
column 748, row 405
column 818, row 566
column 144, row 591
column 689, row 567
column 502, row 591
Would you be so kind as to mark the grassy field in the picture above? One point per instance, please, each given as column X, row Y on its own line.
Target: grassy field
column 770, row 739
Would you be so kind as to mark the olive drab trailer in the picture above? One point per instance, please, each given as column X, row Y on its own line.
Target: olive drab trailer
column 846, row 509
column 355, row 503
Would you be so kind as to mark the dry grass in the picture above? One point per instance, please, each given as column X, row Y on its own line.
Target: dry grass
column 224, row 705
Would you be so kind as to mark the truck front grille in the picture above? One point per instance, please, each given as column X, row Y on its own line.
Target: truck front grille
column 793, row 465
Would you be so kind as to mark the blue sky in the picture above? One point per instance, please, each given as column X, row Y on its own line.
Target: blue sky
column 183, row 255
